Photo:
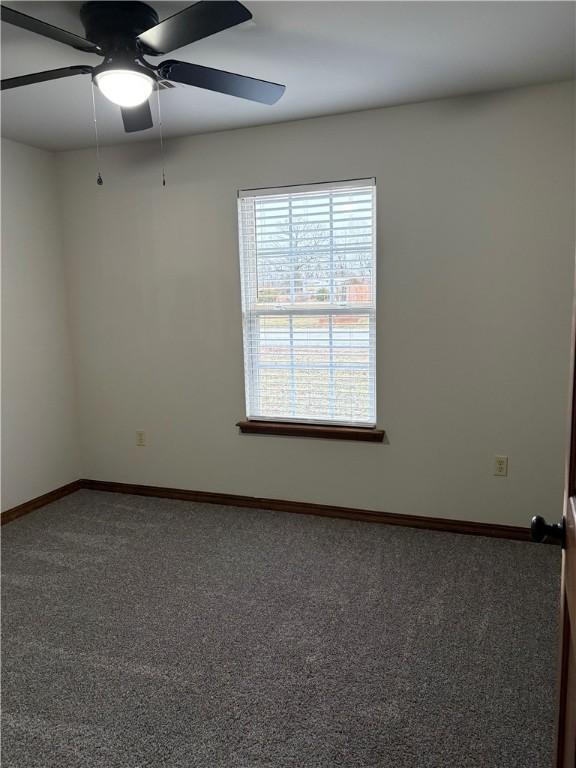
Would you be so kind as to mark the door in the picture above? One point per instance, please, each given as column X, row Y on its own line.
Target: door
column 566, row 753
column 565, row 534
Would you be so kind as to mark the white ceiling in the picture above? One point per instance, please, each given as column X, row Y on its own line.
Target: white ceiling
column 332, row 56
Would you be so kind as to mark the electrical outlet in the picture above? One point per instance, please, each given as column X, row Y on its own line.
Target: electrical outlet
column 501, row 466
column 140, row 438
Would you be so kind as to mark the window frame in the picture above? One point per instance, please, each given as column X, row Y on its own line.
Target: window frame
column 309, row 427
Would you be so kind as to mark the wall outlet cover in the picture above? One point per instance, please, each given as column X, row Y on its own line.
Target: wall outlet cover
column 501, row 466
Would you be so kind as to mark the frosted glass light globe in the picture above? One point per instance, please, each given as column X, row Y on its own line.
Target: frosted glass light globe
column 125, row 87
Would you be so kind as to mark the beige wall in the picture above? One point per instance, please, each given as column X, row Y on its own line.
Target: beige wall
column 475, row 259
column 39, row 418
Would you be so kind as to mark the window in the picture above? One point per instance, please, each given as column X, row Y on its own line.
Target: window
column 308, row 264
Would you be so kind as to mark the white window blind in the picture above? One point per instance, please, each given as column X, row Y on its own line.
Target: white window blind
column 308, row 268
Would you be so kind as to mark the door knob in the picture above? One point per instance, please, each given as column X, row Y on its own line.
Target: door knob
column 543, row 531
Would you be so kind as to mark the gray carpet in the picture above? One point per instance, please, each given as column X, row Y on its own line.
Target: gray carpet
column 141, row 632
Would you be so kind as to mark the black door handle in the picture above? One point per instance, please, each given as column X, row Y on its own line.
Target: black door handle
column 543, row 531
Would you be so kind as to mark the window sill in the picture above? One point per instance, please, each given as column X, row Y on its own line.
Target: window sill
column 326, row 431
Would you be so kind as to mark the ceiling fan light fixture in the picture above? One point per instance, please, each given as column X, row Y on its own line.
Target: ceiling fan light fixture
column 125, row 87
column 123, row 33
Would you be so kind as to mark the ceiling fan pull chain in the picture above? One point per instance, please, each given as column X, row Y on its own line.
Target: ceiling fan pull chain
column 99, row 179
column 161, row 136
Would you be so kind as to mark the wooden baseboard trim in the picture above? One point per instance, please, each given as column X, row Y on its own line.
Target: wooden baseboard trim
column 277, row 505
column 39, row 501
column 324, row 510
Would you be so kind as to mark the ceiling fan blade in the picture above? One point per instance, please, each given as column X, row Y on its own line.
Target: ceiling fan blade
column 41, row 77
column 200, row 20
column 137, row 118
column 47, row 30
column 223, row 82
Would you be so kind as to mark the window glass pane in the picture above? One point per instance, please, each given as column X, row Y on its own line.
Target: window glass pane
column 308, row 293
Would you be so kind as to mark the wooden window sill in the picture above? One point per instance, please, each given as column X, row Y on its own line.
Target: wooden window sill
column 327, row 431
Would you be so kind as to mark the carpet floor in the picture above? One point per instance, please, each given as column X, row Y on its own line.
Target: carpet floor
column 143, row 633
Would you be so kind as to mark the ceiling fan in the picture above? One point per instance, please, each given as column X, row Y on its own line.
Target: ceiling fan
column 124, row 32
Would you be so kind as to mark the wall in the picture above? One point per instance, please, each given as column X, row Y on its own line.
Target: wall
column 475, row 259
column 39, row 435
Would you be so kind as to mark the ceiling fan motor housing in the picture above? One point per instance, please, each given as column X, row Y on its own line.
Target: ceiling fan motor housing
column 114, row 26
